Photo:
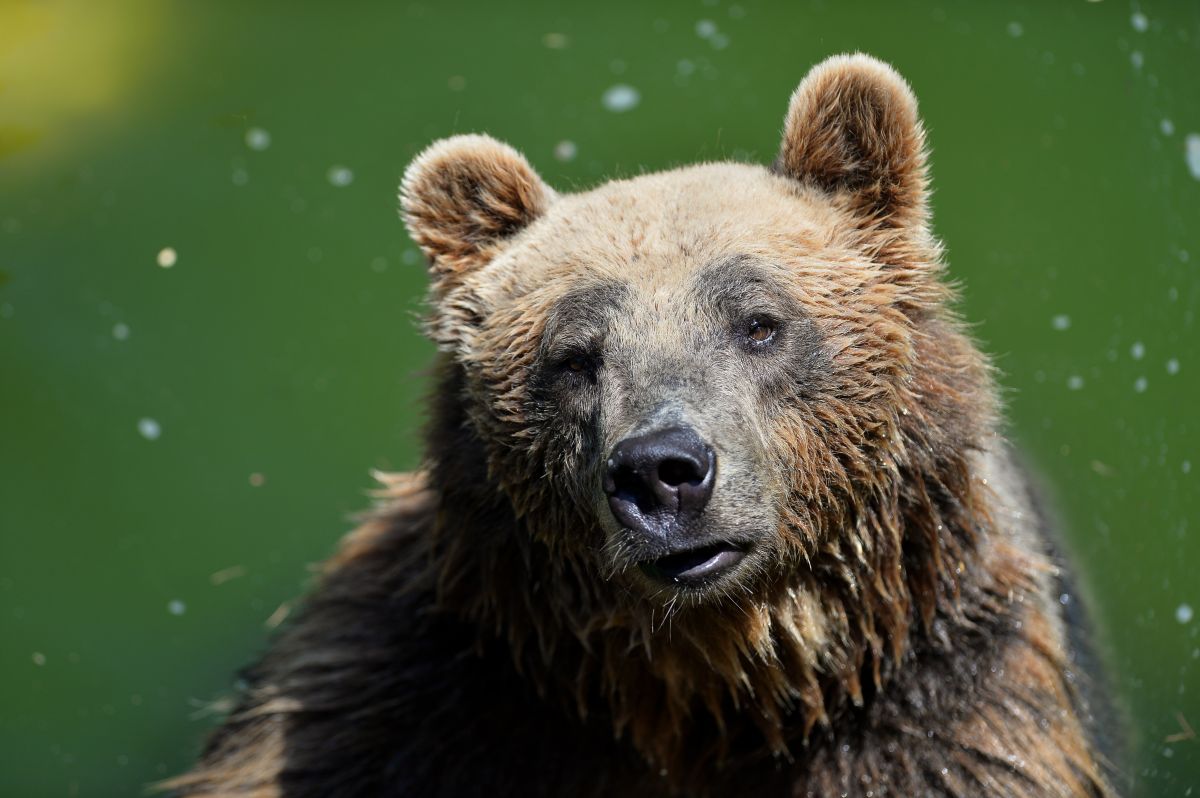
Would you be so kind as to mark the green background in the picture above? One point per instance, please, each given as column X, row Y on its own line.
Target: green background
column 280, row 358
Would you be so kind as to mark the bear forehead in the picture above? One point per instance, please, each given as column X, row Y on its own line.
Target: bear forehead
column 655, row 231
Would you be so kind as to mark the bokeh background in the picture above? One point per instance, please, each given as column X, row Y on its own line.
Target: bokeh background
column 207, row 304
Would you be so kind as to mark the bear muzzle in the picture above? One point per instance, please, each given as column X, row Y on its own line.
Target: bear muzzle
column 658, row 485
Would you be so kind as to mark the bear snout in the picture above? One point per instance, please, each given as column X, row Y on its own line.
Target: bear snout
column 658, row 485
column 660, row 480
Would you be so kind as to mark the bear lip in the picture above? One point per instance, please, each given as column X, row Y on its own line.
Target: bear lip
column 695, row 566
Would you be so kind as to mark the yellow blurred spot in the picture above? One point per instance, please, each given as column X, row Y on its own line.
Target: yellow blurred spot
column 66, row 63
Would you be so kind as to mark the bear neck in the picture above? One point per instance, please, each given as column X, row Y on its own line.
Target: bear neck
column 711, row 683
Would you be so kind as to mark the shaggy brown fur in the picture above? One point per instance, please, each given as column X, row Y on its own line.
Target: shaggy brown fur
column 892, row 630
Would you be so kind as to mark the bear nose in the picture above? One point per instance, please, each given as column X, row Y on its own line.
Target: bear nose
column 659, row 479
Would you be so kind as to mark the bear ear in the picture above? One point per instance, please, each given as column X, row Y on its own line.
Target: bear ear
column 463, row 197
column 852, row 130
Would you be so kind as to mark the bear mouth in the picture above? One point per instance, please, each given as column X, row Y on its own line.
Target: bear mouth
column 696, row 566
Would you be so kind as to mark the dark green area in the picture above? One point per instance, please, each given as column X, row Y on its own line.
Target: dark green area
column 282, row 342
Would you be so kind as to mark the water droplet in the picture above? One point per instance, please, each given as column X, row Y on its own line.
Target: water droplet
column 1075, row 382
column 1193, row 154
column 1061, row 322
column 1167, row 127
column 1064, row 599
column 39, row 658
column 379, row 264
column 1186, row 466
column 257, row 480
column 1183, row 613
column 555, row 41
column 1138, row 350
column 176, row 607
column 240, row 177
column 258, row 139
column 1016, row 29
column 120, row 331
column 456, row 83
column 705, row 28
column 149, row 429
column 1139, row 22
column 736, row 12
column 684, row 67
column 565, row 150
column 1172, row 366
column 621, row 98
column 167, row 257
column 1139, row 385
column 1137, row 59
column 340, row 176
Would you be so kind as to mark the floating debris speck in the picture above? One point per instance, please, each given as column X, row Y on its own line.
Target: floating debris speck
column 227, row 574
column 1139, row 385
column 257, row 480
column 1137, row 59
column 39, row 658
column 120, row 331
column 149, row 429
column 1192, row 153
column 1061, row 322
column 167, row 257
column 340, row 176
column 565, row 150
column 1172, row 366
column 555, row 41
column 1167, row 127
column 176, row 607
column 1075, row 382
column 1183, row 613
column 621, row 98
column 1015, row 29
column 1139, row 22
column 705, row 28
column 1137, row 351
column 258, row 139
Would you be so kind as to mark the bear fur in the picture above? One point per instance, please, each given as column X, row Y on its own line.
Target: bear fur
column 892, row 626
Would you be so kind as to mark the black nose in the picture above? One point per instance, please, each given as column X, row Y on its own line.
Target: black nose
column 660, row 479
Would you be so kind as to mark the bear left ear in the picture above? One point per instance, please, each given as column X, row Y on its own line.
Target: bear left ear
column 852, row 130
column 463, row 197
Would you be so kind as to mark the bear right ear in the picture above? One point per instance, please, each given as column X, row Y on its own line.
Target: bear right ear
column 463, row 197
column 852, row 130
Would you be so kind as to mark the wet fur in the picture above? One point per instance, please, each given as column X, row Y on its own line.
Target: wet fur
column 895, row 632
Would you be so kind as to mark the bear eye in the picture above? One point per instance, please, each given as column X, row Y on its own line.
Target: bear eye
column 760, row 330
column 578, row 365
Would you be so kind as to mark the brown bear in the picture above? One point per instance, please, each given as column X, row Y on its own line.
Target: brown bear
column 716, row 502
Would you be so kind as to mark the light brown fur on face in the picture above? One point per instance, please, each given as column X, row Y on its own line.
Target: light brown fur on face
column 892, row 622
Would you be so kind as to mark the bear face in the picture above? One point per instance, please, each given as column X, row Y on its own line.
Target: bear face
column 769, row 320
column 724, row 391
